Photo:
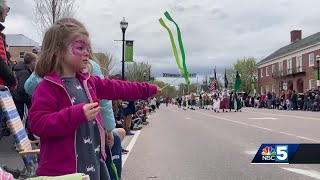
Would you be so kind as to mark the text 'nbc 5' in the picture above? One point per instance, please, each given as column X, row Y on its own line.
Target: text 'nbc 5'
column 275, row 153
column 287, row 154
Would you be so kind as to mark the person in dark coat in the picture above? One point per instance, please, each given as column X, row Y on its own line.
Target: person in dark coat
column 231, row 101
column 23, row 70
column 128, row 111
column 294, row 100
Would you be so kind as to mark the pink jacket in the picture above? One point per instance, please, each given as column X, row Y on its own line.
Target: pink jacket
column 53, row 118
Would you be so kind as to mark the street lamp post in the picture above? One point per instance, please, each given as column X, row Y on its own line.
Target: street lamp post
column 144, row 76
column 123, row 26
column 318, row 80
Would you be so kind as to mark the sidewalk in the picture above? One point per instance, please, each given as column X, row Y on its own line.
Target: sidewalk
column 8, row 155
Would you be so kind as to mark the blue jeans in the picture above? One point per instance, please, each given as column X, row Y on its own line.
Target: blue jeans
column 305, row 105
column 269, row 101
column 289, row 108
column 116, row 153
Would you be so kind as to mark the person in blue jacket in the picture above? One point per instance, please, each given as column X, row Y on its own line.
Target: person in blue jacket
column 107, row 115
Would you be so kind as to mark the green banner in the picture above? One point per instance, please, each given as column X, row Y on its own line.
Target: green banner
column 129, row 51
column 315, row 74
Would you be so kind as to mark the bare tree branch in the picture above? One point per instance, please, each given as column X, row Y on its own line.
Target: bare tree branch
column 106, row 62
column 135, row 71
column 48, row 12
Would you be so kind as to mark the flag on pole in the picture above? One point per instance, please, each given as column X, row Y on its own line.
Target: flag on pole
column 213, row 86
column 225, row 79
column 215, row 78
column 237, row 82
column 215, row 73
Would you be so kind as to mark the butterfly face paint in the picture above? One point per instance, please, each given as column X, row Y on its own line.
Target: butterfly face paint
column 79, row 48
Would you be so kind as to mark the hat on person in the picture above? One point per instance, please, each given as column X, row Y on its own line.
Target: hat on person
column 36, row 49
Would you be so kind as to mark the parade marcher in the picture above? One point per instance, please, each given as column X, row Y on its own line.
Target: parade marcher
column 179, row 101
column 216, row 103
column 238, row 104
column 205, row 100
column 167, row 101
column 200, row 102
column 232, row 101
column 189, row 101
column 184, row 99
column 193, row 101
column 212, row 98
column 224, row 105
column 67, row 46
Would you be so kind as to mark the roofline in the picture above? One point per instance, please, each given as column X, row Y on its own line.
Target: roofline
column 278, row 57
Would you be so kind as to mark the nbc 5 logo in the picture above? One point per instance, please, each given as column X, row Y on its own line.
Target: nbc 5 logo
column 282, row 153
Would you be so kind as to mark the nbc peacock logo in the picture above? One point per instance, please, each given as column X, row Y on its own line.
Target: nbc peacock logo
column 268, row 153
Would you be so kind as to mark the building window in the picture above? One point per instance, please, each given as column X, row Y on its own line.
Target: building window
column 261, row 90
column 273, row 88
column 267, row 88
column 311, row 59
column 312, row 84
column 21, row 55
column 267, row 71
column 273, row 68
column 261, row 72
column 280, row 66
column 299, row 63
column 289, row 66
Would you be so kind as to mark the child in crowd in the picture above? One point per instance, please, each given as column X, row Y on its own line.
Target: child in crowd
column 65, row 109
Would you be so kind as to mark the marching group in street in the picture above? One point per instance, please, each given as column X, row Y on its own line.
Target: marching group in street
column 224, row 101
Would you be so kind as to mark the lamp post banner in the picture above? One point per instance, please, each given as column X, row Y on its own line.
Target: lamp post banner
column 129, row 51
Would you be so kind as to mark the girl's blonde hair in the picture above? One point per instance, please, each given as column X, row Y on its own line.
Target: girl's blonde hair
column 91, row 54
column 55, row 43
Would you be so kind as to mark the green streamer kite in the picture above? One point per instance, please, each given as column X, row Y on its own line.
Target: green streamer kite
column 182, row 69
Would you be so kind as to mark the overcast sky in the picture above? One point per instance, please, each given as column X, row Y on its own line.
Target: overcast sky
column 215, row 33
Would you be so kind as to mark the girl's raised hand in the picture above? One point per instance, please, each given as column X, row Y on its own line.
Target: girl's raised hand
column 91, row 110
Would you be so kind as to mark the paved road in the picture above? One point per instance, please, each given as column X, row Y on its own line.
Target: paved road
column 201, row 144
column 205, row 145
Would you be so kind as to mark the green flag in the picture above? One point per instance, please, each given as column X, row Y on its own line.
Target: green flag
column 129, row 51
column 237, row 83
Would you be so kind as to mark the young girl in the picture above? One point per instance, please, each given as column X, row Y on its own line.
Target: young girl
column 65, row 113
column 112, row 133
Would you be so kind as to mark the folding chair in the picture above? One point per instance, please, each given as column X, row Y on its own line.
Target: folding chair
column 29, row 155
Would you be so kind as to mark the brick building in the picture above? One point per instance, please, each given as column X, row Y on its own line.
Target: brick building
column 18, row 45
column 291, row 67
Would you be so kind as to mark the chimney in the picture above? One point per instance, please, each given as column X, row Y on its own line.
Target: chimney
column 296, row 35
